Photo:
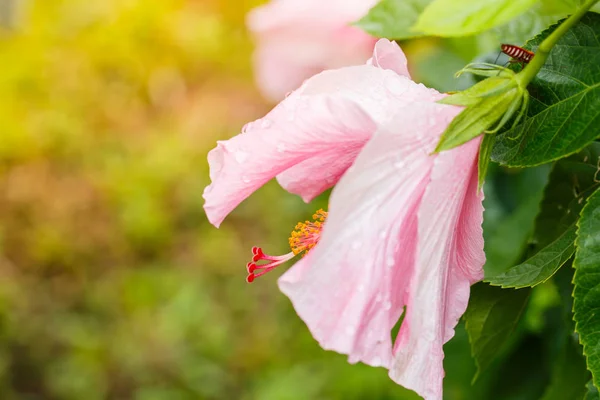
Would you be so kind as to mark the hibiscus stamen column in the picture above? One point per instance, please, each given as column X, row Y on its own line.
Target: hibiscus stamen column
column 303, row 238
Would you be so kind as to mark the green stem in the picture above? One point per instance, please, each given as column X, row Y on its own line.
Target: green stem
column 542, row 52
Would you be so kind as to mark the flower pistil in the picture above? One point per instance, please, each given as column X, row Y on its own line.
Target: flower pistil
column 303, row 238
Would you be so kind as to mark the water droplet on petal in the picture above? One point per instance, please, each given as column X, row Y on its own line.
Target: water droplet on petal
column 266, row 123
column 247, row 127
column 387, row 305
column 399, row 164
column 390, row 262
column 281, row 147
column 383, row 234
column 240, row 156
column 361, row 288
column 378, row 298
column 245, row 179
column 395, row 85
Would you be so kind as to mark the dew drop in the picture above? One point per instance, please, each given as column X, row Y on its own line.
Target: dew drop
column 245, row 179
column 390, row 262
column 281, row 147
column 240, row 156
column 266, row 123
column 361, row 288
column 247, row 127
column 378, row 298
column 395, row 85
column 383, row 234
column 387, row 305
column 399, row 164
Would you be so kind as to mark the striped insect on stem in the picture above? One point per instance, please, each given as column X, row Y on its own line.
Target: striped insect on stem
column 517, row 53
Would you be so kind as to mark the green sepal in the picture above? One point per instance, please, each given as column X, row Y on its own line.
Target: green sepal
column 474, row 94
column 473, row 121
column 485, row 152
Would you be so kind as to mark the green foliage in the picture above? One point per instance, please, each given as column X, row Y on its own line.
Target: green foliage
column 569, row 375
column 565, row 99
column 461, row 18
column 570, row 182
column 393, row 19
column 490, row 319
column 592, row 392
column 541, row 266
column 587, row 283
column 511, row 203
column 536, row 19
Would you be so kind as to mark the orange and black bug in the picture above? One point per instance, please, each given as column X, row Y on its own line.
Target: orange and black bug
column 517, row 53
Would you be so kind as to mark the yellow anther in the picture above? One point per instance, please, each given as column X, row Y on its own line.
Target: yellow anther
column 306, row 234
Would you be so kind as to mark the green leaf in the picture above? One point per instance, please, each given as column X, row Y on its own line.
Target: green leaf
column 586, row 295
column 491, row 317
column 569, row 375
column 392, row 19
column 564, row 112
column 571, row 181
column 512, row 199
column 461, row 18
column 484, row 157
column 522, row 376
column 522, row 28
column 541, row 266
column 592, row 392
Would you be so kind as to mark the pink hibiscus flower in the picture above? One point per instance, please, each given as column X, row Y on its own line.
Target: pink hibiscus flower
column 403, row 230
column 298, row 38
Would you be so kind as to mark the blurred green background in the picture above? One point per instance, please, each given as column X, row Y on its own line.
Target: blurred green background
column 112, row 283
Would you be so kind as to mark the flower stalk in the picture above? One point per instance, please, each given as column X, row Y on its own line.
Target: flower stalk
column 542, row 52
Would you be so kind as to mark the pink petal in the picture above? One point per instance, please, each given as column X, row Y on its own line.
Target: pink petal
column 305, row 14
column 388, row 55
column 298, row 38
column 350, row 289
column 449, row 259
column 380, row 92
column 299, row 128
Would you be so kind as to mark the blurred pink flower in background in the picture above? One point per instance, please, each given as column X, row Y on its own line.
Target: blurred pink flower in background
column 296, row 39
column 403, row 230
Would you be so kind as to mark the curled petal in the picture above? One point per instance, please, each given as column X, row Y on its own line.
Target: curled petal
column 296, row 130
column 379, row 92
column 388, row 55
